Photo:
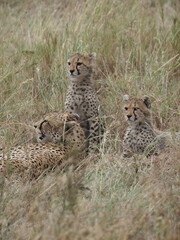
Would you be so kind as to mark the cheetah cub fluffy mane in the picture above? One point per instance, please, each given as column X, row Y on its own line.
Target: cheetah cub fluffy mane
column 140, row 136
column 81, row 97
column 58, row 135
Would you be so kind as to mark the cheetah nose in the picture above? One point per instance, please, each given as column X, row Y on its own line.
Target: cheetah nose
column 71, row 71
column 129, row 116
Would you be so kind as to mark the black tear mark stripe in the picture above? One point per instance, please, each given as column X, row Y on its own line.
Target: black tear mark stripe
column 77, row 67
column 134, row 115
column 42, row 124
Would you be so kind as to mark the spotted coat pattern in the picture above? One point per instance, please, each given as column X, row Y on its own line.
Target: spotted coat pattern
column 140, row 136
column 59, row 135
column 81, row 97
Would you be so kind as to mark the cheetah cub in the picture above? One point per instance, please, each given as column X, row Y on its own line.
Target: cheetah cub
column 59, row 136
column 81, row 97
column 140, row 136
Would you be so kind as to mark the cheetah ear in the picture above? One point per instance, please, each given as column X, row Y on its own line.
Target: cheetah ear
column 147, row 101
column 72, row 117
column 71, row 120
column 125, row 97
column 76, row 116
column 92, row 55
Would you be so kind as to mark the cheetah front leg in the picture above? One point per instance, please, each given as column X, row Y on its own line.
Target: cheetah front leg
column 95, row 134
column 127, row 150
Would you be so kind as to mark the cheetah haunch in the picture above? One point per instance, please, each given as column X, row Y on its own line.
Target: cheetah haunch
column 140, row 136
column 81, row 97
column 59, row 135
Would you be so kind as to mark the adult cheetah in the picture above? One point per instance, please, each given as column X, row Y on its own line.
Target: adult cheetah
column 59, row 135
column 81, row 97
column 140, row 136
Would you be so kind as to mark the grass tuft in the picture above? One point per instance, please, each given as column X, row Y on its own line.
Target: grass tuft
column 137, row 45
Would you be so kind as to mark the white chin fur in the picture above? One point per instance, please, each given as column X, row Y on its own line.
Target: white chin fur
column 73, row 76
column 132, row 119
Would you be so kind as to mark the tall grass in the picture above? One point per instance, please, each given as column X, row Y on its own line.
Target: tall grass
column 137, row 45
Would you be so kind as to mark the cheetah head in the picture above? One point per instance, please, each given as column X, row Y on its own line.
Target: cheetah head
column 80, row 66
column 55, row 126
column 136, row 110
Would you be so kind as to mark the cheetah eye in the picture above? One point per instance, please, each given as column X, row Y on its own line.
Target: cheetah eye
column 135, row 108
column 79, row 63
column 69, row 63
column 126, row 108
column 35, row 126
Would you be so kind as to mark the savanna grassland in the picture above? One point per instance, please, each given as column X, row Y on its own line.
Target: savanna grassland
column 138, row 53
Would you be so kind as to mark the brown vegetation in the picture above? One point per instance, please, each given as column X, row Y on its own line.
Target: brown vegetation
column 137, row 45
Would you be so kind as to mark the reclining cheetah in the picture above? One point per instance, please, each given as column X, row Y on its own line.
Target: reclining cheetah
column 140, row 137
column 60, row 127
column 33, row 159
column 81, row 97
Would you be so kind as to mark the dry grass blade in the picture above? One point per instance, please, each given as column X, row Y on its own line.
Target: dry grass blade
column 137, row 45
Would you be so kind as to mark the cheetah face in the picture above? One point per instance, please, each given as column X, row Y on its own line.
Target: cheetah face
column 44, row 131
column 136, row 110
column 80, row 65
column 41, row 129
column 54, row 127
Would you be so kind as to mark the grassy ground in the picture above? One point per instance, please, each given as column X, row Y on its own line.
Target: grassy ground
column 137, row 45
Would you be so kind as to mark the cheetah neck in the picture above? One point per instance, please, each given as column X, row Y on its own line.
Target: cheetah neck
column 81, row 86
column 141, row 125
column 81, row 81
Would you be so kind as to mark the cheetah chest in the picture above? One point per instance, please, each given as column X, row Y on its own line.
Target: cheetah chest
column 138, row 139
column 78, row 99
column 77, row 102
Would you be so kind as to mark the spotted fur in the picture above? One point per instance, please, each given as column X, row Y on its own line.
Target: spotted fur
column 81, row 97
column 140, row 136
column 60, row 127
column 58, row 135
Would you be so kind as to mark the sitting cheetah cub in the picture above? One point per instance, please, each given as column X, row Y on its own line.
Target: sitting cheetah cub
column 81, row 97
column 140, row 137
column 33, row 159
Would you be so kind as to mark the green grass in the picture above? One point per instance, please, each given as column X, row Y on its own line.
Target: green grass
column 137, row 45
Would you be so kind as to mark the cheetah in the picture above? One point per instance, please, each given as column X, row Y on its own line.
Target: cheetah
column 140, row 136
column 60, row 127
column 58, row 135
column 81, row 97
